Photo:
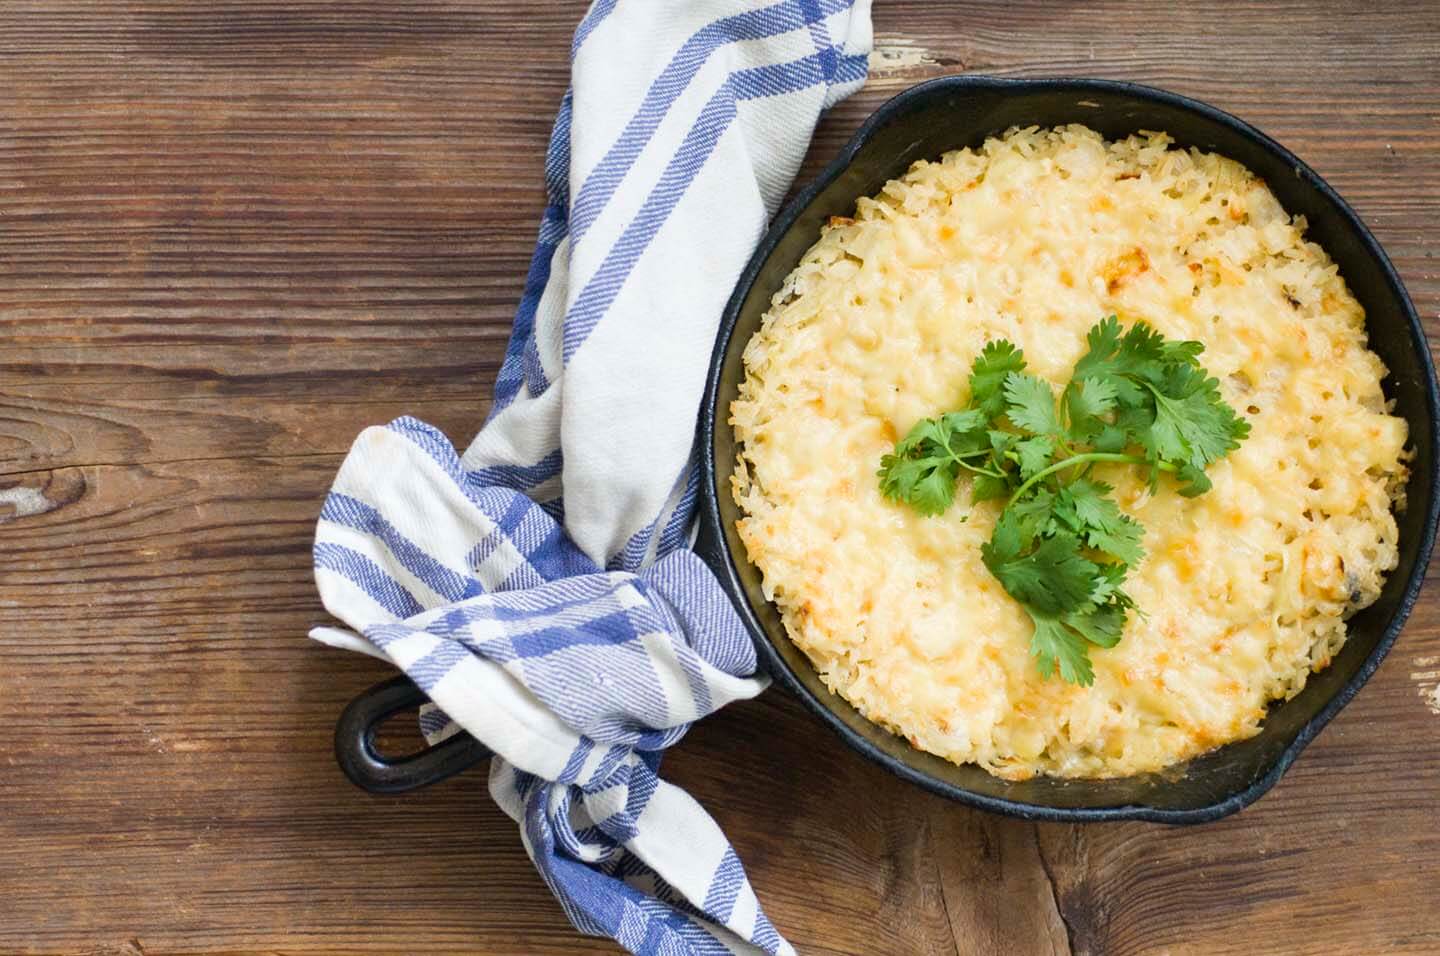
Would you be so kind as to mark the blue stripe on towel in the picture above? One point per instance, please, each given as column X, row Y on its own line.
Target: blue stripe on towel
column 593, row 301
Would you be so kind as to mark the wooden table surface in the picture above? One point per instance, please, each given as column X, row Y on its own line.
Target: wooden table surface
column 235, row 232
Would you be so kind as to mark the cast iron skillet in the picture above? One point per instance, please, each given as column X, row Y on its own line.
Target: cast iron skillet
column 924, row 122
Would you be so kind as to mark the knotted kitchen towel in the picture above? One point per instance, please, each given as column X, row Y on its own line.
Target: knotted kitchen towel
column 539, row 587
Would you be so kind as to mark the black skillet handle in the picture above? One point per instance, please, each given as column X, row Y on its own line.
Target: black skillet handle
column 368, row 769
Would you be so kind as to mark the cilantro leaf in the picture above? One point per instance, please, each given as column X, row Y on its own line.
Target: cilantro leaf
column 928, row 484
column 935, row 490
column 928, row 434
column 1101, row 626
column 1010, row 537
column 1111, row 438
column 1035, row 514
column 1085, row 401
column 1194, row 481
column 987, row 375
column 1187, row 352
column 1034, row 454
column 1107, row 588
column 1104, row 341
column 1002, row 441
column 1030, row 404
column 1166, row 402
column 1125, row 361
column 1083, row 507
column 1055, row 644
column 927, row 462
column 1192, row 423
column 1109, row 358
column 988, row 488
column 964, row 431
column 1052, row 579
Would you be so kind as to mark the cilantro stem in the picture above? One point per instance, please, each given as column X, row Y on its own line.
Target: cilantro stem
column 960, row 459
column 979, row 471
column 1087, row 456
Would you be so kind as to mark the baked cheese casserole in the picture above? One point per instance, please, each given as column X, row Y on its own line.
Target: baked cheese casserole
column 1032, row 237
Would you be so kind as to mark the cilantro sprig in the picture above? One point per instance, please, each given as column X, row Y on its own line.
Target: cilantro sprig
column 1061, row 546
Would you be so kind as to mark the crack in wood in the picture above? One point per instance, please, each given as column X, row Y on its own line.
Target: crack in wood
column 1054, row 892
column 940, row 884
column 146, row 462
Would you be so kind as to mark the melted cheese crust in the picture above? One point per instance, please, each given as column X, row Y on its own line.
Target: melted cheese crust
column 1034, row 237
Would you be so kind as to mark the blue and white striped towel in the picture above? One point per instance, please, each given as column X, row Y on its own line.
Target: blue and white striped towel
column 539, row 587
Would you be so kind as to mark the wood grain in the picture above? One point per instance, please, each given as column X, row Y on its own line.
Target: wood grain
column 233, row 234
